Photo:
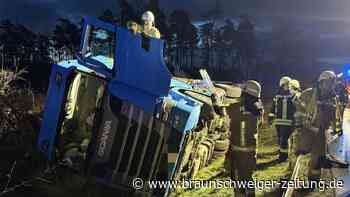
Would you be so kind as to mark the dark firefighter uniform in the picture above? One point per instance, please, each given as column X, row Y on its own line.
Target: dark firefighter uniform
column 243, row 140
column 282, row 111
column 326, row 112
column 299, row 108
column 341, row 103
column 341, row 91
column 300, row 141
column 293, row 138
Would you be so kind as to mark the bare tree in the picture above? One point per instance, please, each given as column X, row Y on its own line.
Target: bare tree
column 7, row 78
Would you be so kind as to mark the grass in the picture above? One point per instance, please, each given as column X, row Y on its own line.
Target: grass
column 267, row 154
column 268, row 169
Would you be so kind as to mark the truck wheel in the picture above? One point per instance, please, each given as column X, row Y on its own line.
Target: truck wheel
column 210, row 147
column 218, row 154
column 227, row 162
column 187, row 153
column 195, row 167
column 224, row 136
column 203, row 154
column 222, row 145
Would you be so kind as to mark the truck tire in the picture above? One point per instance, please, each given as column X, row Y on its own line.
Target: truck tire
column 195, row 167
column 224, row 136
column 210, row 145
column 187, row 154
column 214, row 136
column 218, row 154
column 222, row 145
column 203, row 154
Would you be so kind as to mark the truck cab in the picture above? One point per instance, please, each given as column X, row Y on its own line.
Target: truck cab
column 115, row 113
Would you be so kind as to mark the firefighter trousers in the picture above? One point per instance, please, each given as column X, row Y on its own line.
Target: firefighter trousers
column 319, row 149
column 283, row 133
column 243, row 164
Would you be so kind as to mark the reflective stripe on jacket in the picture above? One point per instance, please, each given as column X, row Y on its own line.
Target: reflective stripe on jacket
column 283, row 109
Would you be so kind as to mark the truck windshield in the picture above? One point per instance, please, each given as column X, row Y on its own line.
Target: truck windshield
column 100, row 46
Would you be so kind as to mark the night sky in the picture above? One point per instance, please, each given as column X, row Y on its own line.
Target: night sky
column 41, row 14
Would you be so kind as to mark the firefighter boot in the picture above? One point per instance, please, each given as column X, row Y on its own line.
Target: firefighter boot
column 324, row 163
column 238, row 192
column 334, row 160
column 250, row 192
column 283, row 156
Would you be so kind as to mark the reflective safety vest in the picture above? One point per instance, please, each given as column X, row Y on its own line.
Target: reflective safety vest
column 244, row 126
column 307, row 114
column 283, row 109
column 72, row 97
column 327, row 112
column 152, row 32
column 331, row 104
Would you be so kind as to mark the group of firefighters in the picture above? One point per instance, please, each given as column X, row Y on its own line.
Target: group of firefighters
column 301, row 119
column 148, row 26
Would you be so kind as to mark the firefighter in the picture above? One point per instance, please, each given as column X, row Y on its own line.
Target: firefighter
column 341, row 103
column 133, row 27
column 148, row 26
column 243, row 140
column 312, row 119
column 292, row 141
column 281, row 114
column 326, row 107
column 295, row 88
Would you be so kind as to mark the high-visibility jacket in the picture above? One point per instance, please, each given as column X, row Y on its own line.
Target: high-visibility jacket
column 152, row 32
column 327, row 111
column 283, row 108
column 244, row 128
column 341, row 91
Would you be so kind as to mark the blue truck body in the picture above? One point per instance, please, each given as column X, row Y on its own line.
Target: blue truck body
column 135, row 75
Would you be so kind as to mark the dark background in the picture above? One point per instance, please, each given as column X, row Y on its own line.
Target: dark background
column 232, row 39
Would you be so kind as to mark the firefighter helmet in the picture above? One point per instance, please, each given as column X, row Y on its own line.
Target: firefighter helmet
column 327, row 75
column 294, row 84
column 148, row 16
column 253, row 88
column 284, row 80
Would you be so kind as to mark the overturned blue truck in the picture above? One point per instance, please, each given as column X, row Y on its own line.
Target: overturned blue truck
column 115, row 113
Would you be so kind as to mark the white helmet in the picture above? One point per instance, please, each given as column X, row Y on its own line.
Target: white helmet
column 326, row 75
column 253, row 88
column 294, row 84
column 284, row 80
column 148, row 16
